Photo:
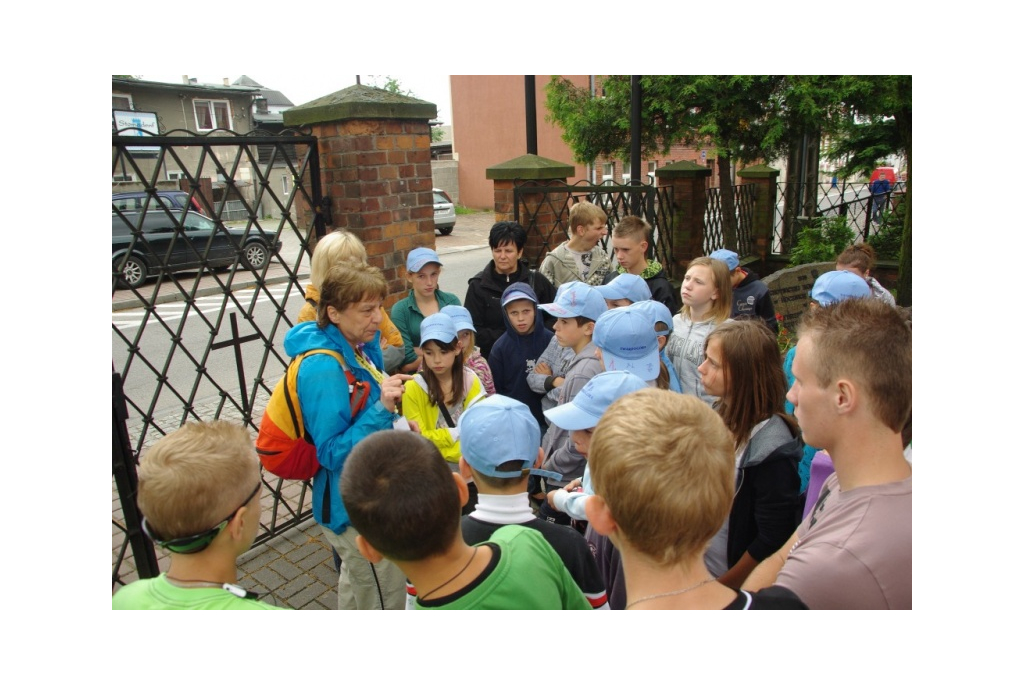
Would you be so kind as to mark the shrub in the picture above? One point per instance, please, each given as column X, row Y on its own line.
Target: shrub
column 888, row 241
column 821, row 241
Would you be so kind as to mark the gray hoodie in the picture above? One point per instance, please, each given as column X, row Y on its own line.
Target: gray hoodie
column 685, row 348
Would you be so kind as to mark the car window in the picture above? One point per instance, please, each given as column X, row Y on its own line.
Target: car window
column 197, row 222
column 438, row 197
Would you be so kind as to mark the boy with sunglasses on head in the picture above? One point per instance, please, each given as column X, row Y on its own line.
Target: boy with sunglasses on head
column 199, row 494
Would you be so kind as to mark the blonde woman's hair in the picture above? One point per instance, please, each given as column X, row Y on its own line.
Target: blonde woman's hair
column 334, row 248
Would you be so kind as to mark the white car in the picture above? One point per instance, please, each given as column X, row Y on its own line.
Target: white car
column 444, row 212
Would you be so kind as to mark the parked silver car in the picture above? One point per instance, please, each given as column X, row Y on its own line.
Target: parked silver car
column 444, row 212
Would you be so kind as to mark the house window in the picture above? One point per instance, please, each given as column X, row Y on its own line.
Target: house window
column 122, row 102
column 651, row 168
column 123, row 177
column 625, row 173
column 211, row 114
column 284, row 185
column 175, row 175
column 608, row 172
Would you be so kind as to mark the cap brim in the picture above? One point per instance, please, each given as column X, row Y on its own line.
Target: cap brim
column 557, row 311
column 571, row 418
column 647, row 367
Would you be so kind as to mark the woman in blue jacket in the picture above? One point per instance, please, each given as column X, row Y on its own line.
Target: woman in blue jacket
column 338, row 414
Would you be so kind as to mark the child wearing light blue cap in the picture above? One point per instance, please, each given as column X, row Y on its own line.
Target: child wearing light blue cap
column 662, row 328
column 436, row 396
column 470, row 352
column 422, row 267
column 580, row 417
column 624, row 290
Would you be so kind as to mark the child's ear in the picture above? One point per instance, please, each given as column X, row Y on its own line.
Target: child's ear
column 599, row 515
column 588, row 328
column 662, row 341
column 367, row 550
column 236, row 526
column 464, row 469
column 460, row 483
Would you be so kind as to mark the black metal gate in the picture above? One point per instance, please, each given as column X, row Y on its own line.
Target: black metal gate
column 534, row 200
column 211, row 236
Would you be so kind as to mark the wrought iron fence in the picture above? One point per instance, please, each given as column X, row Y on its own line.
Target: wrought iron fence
column 202, row 298
column 744, row 198
column 851, row 200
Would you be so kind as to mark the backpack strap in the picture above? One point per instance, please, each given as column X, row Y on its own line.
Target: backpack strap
column 358, row 391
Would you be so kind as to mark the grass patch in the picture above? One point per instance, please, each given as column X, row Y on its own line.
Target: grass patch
column 460, row 210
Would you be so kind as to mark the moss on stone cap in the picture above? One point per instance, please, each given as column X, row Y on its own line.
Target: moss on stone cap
column 530, row 168
column 683, row 169
column 757, row 171
column 359, row 102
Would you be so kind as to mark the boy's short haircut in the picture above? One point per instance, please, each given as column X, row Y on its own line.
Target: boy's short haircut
column 507, row 232
column 664, row 464
column 346, row 284
column 584, row 214
column 495, row 483
column 400, row 495
column 193, row 478
column 867, row 340
column 632, row 227
column 334, row 248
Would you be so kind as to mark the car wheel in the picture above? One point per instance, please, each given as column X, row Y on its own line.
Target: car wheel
column 134, row 273
column 447, row 230
column 256, row 255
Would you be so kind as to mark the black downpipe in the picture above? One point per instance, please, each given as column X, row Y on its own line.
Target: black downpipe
column 635, row 102
column 530, row 83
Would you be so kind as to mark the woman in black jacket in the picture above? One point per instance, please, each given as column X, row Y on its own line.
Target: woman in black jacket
column 483, row 297
column 743, row 367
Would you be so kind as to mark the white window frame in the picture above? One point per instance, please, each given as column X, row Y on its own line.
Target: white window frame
column 284, row 185
column 173, row 175
column 123, row 177
column 626, row 173
column 126, row 96
column 608, row 172
column 210, row 106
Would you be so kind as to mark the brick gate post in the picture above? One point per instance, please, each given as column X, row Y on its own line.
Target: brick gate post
column 766, row 180
column 375, row 166
column 544, row 231
column 689, row 202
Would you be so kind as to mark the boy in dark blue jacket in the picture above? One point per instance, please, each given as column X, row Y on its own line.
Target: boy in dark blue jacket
column 517, row 350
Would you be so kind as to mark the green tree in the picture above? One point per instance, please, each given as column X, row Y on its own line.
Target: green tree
column 874, row 124
column 737, row 116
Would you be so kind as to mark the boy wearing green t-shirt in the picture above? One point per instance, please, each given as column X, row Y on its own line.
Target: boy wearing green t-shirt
column 406, row 504
column 199, row 494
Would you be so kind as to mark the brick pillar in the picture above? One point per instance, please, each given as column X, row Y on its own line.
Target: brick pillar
column 375, row 167
column 544, row 231
column 689, row 201
column 766, row 181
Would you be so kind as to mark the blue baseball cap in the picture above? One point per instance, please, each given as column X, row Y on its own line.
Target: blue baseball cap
column 499, row 429
column 438, row 327
column 461, row 316
column 731, row 259
column 628, row 342
column 577, row 299
column 593, row 399
column 626, row 287
column 657, row 309
column 419, row 258
column 836, row 286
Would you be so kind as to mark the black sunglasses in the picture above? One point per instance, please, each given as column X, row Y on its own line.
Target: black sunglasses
column 200, row 541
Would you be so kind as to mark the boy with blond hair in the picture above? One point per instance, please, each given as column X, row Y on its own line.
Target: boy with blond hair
column 406, row 504
column 581, row 258
column 661, row 499
column 199, row 494
column 630, row 242
column 852, row 397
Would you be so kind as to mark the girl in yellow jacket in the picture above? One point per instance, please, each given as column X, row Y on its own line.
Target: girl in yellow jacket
column 436, row 397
